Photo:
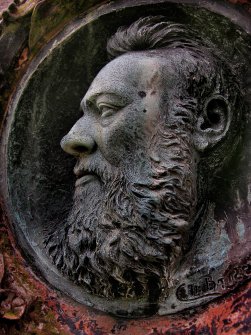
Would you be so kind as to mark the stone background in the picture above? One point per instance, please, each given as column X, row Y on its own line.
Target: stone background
column 28, row 306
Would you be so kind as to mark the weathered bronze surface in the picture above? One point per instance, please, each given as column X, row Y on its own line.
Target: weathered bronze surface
column 159, row 220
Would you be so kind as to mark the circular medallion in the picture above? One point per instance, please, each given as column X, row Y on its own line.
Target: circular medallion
column 159, row 218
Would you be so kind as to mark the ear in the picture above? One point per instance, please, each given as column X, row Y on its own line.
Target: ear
column 213, row 124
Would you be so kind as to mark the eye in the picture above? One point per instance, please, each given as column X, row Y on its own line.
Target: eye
column 107, row 110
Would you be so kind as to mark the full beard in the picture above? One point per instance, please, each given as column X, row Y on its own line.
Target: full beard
column 124, row 236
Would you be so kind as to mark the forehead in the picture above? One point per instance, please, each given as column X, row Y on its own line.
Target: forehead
column 130, row 72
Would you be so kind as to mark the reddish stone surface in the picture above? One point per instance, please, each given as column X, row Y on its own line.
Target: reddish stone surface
column 43, row 312
column 29, row 307
column 4, row 4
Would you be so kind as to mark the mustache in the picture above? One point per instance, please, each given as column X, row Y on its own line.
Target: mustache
column 96, row 166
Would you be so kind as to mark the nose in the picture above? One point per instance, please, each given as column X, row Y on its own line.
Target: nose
column 78, row 141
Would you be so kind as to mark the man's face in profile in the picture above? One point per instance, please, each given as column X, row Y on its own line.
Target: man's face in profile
column 120, row 112
column 135, row 192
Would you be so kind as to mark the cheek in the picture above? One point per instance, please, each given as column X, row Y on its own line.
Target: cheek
column 124, row 135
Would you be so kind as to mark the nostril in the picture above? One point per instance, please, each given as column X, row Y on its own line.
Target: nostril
column 80, row 149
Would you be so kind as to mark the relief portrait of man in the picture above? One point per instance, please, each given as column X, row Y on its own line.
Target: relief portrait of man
column 157, row 122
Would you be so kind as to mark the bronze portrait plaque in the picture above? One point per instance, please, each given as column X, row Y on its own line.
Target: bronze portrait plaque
column 156, row 216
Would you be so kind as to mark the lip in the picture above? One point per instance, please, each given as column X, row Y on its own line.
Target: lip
column 84, row 179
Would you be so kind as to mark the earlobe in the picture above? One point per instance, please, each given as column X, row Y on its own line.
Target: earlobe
column 213, row 124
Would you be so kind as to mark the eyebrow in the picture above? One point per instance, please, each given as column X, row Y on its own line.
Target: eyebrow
column 112, row 95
